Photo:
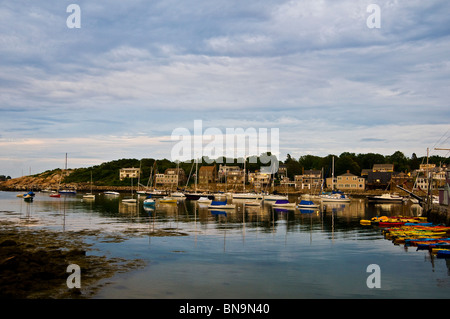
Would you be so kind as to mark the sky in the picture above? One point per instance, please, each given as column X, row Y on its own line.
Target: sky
column 135, row 71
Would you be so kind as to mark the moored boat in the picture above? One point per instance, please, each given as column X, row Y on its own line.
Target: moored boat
column 221, row 205
column 386, row 198
column 443, row 253
column 247, row 196
column 283, row 203
column 168, row 200
column 111, row 193
column 274, row 197
column 307, row 204
column 252, row 203
column 149, row 201
column 204, row 200
column 336, row 197
column 67, row 191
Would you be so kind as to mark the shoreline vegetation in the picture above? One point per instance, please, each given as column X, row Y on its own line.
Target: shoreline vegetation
column 106, row 175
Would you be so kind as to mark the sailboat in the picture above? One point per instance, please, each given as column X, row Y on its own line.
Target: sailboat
column 149, row 201
column 67, row 191
column 307, row 204
column 335, row 196
column 195, row 195
column 89, row 195
column 131, row 200
column 244, row 194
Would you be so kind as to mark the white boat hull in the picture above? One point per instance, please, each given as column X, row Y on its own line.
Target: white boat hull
column 220, row 207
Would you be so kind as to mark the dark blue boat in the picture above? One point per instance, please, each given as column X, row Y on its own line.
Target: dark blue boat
column 443, row 254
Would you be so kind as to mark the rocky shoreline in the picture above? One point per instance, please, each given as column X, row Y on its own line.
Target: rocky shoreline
column 33, row 263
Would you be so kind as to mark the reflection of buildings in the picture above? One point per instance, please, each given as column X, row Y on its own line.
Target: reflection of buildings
column 129, row 209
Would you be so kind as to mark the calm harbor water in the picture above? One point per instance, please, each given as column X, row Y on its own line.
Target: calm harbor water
column 249, row 252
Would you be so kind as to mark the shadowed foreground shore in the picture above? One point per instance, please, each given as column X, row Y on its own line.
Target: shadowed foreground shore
column 33, row 263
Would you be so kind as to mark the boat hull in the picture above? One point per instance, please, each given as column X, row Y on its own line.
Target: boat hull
column 197, row 196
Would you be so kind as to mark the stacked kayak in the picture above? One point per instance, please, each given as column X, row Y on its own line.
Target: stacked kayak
column 394, row 221
column 416, row 232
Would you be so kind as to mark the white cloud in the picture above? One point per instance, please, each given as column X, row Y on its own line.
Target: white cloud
column 137, row 69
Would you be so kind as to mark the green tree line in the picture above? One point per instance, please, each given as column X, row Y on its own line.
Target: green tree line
column 355, row 163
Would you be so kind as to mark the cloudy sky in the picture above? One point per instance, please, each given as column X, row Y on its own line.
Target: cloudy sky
column 118, row 86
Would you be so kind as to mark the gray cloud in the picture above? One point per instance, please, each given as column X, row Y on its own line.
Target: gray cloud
column 312, row 68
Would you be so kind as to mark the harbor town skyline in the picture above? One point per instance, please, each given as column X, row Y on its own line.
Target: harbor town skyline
column 118, row 85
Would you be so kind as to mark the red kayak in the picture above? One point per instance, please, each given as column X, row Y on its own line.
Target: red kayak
column 55, row 195
column 391, row 224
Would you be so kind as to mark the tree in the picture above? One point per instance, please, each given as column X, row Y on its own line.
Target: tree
column 293, row 167
column 346, row 162
column 310, row 162
column 414, row 162
column 369, row 159
column 399, row 160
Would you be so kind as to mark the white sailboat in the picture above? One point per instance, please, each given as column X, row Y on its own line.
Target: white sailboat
column 334, row 196
column 131, row 200
column 272, row 197
column 244, row 194
column 89, row 195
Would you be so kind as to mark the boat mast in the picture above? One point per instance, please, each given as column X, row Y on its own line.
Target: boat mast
column 196, row 173
column 332, row 175
column 243, row 189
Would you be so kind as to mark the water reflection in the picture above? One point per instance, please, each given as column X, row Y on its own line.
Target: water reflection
column 309, row 245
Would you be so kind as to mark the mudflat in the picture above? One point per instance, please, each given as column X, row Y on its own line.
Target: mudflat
column 33, row 263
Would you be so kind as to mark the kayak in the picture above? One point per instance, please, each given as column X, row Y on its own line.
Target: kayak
column 431, row 245
column 443, row 254
column 390, row 224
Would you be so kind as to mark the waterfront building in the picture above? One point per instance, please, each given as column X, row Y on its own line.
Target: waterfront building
column 331, row 182
column 258, row 179
column 207, row 175
column 310, row 179
column 378, row 180
column 383, row 168
column 437, row 174
column 444, row 191
column 282, row 171
column 172, row 177
column 350, row 182
column 231, row 174
column 129, row 173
